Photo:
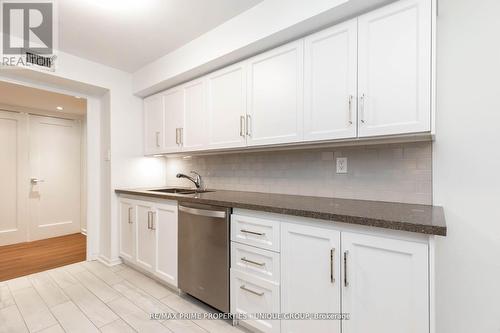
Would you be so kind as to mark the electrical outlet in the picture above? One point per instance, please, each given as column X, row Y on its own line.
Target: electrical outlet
column 341, row 164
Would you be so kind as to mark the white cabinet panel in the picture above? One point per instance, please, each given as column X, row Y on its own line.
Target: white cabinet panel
column 330, row 83
column 310, row 276
column 166, row 240
column 275, row 99
column 128, row 221
column 395, row 69
column 153, row 124
column 194, row 134
column 173, row 106
column 250, row 295
column 386, row 285
column 146, row 236
column 227, row 107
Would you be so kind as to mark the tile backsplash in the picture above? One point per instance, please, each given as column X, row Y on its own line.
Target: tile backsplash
column 395, row 172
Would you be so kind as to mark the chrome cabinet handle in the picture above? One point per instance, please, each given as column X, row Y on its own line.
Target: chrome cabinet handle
column 332, row 260
column 243, row 287
column 362, row 108
column 157, row 139
column 149, row 220
column 252, row 232
column 350, row 109
column 181, row 136
column 252, row 262
column 249, row 125
column 130, row 215
column 153, row 214
column 242, row 126
column 177, row 136
column 346, row 283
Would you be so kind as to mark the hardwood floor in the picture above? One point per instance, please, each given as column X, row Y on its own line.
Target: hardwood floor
column 28, row 258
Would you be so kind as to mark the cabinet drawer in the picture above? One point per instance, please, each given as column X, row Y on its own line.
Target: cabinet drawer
column 250, row 295
column 255, row 231
column 257, row 262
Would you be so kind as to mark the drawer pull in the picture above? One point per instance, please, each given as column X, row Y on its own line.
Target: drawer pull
column 252, row 262
column 251, row 291
column 252, row 232
column 332, row 258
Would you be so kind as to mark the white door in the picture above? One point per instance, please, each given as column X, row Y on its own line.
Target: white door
column 153, row 124
column 13, row 178
column 385, row 285
column 395, row 69
column 330, row 83
column 194, row 133
column 146, row 236
column 166, row 240
column 54, row 200
column 128, row 221
column 310, row 276
column 173, row 104
column 227, row 107
column 275, row 96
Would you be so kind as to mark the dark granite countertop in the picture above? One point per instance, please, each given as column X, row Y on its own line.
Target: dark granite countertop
column 424, row 219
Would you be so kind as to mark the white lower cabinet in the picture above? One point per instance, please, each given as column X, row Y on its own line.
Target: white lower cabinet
column 381, row 283
column 310, row 276
column 148, row 237
column 386, row 287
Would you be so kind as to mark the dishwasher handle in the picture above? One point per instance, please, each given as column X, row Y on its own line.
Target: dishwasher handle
column 203, row 212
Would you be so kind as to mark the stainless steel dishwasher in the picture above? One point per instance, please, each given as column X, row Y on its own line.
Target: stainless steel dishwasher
column 204, row 253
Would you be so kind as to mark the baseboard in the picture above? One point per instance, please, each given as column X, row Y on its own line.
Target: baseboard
column 108, row 262
column 84, row 231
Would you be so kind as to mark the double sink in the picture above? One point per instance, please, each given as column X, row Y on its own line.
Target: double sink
column 178, row 190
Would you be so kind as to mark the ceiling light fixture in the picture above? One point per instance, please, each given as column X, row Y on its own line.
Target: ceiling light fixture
column 60, row 108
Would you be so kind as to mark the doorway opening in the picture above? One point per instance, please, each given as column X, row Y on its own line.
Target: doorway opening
column 43, row 176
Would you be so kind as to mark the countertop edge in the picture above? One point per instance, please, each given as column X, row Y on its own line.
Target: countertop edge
column 349, row 219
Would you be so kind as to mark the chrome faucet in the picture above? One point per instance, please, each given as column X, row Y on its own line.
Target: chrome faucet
column 196, row 180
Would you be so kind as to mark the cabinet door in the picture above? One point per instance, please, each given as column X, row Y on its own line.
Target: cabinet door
column 166, row 240
column 395, row 69
column 310, row 276
column 330, row 83
column 128, row 221
column 146, row 236
column 173, row 105
column 275, row 96
column 227, row 107
column 194, row 133
column 385, row 285
column 153, row 124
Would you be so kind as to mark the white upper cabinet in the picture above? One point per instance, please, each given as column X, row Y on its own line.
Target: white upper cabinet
column 173, row 104
column 275, row 96
column 194, row 133
column 394, row 64
column 153, row 124
column 384, row 278
column 310, row 276
column 227, row 107
column 330, row 83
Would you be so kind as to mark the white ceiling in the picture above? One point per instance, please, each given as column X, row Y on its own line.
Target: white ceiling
column 128, row 34
column 23, row 97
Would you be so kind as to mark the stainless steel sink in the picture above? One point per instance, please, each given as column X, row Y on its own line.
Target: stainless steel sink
column 176, row 190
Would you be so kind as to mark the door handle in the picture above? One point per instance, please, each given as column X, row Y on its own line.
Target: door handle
column 149, row 220
column 153, row 214
column 177, row 136
column 362, row 108
column 242, row 126
column 346, row 283
column 181, row 136
column 157, row 139
column 35, row 181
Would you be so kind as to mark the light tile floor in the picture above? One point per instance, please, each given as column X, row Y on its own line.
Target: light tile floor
column 91, row 297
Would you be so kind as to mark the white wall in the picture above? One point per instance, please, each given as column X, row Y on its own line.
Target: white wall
column 467, row 166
